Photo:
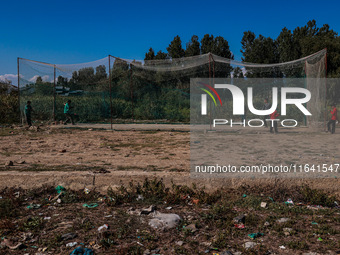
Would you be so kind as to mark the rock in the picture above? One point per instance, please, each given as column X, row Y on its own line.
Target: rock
column 283, row 220
column 63, row 151
column 263, row 204
column 266, row 224
column 180, row 243
column 287, row 231
column 240, row 219
column 191, row 227
column 9, row 163
column 164, row 220
column 249, row 245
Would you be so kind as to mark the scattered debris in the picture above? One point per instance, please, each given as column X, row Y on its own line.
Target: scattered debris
column 86, row 191
column 255, row 235
column 320, row 239
column 282, row 247
column 289, row 202
column 140, row 197
column 60, row 189
column 68, row 236
column 240, row 226
column 287, row 231
column 11, row 245
column 283, row 220
column 180, row 243
column 266, row 224
column 33, row 206
column 104, row 227
column 263, row 204
column 148, row 210
column 92, row 205
column 240, row 219
column 71, row 244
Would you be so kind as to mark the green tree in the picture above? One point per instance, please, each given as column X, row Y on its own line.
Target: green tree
column 175, row 49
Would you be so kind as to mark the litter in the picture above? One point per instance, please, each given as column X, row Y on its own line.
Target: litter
column 282, row 247
column 244, row 195
column 314, row 223
column 263, row 204
column 92, row 205
column 140, row 197
column 320, row 239
column 86, row 191
column 196, row 201
column 108, row 216
column 60, row 189
column 255, row 235
column 68, row 236
column 47, row 218
column 289, row 202
column 71, row 245
column 81, row 251
column 240, row 226
column 33, row 206
column 105, row 226
column 168, row 208
column 240, row 219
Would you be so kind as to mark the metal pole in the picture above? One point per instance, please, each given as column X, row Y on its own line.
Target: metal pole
column 131, row 92
column 325, row 118
column 210, row 85
column 110, row 84
column 54, row 94
column 20, row 119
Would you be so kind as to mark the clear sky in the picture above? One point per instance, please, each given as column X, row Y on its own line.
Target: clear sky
column 67, row 32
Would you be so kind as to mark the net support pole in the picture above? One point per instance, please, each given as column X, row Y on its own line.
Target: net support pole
column 325, row 118
column 20, row 118
column 54, row 93
column 210, row 85
column 131, row 92
column 110, row 85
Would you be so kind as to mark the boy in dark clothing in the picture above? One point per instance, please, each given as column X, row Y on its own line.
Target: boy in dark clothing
column 67, row 112
column 273, row 116
column 28, row 112
column 333, row 120
column 266, row 106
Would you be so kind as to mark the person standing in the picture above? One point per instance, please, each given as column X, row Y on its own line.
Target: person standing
column 273, row 121
column 333, row 119
column 266, row 106
column 28, row 113
column 67, row 111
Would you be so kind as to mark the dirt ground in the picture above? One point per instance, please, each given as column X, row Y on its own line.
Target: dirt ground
column 69, row 155
column 88, row 160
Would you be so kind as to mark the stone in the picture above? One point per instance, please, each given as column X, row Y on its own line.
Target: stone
column 249, row 245
column 180, row 243
column 164, row 220
column 283, row 220
column 191, row 227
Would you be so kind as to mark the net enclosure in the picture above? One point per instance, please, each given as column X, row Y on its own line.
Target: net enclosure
column 120, row 90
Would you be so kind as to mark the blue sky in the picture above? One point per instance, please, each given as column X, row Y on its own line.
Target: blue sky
column 67, row 32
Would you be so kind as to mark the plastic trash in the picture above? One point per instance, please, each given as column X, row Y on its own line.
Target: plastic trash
column 92, row 205
column 314, row 223
column 33, row 206
column 60, row 189
column 244, row 195
column 105, row 226
column 282, row 247
column 320, row 239
column 81, row 251
column 255, row 235
column 240, row 226
column 289, row 202
column 71, row 245
column 263, row 204
column 140, row 197
column 86, row 191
